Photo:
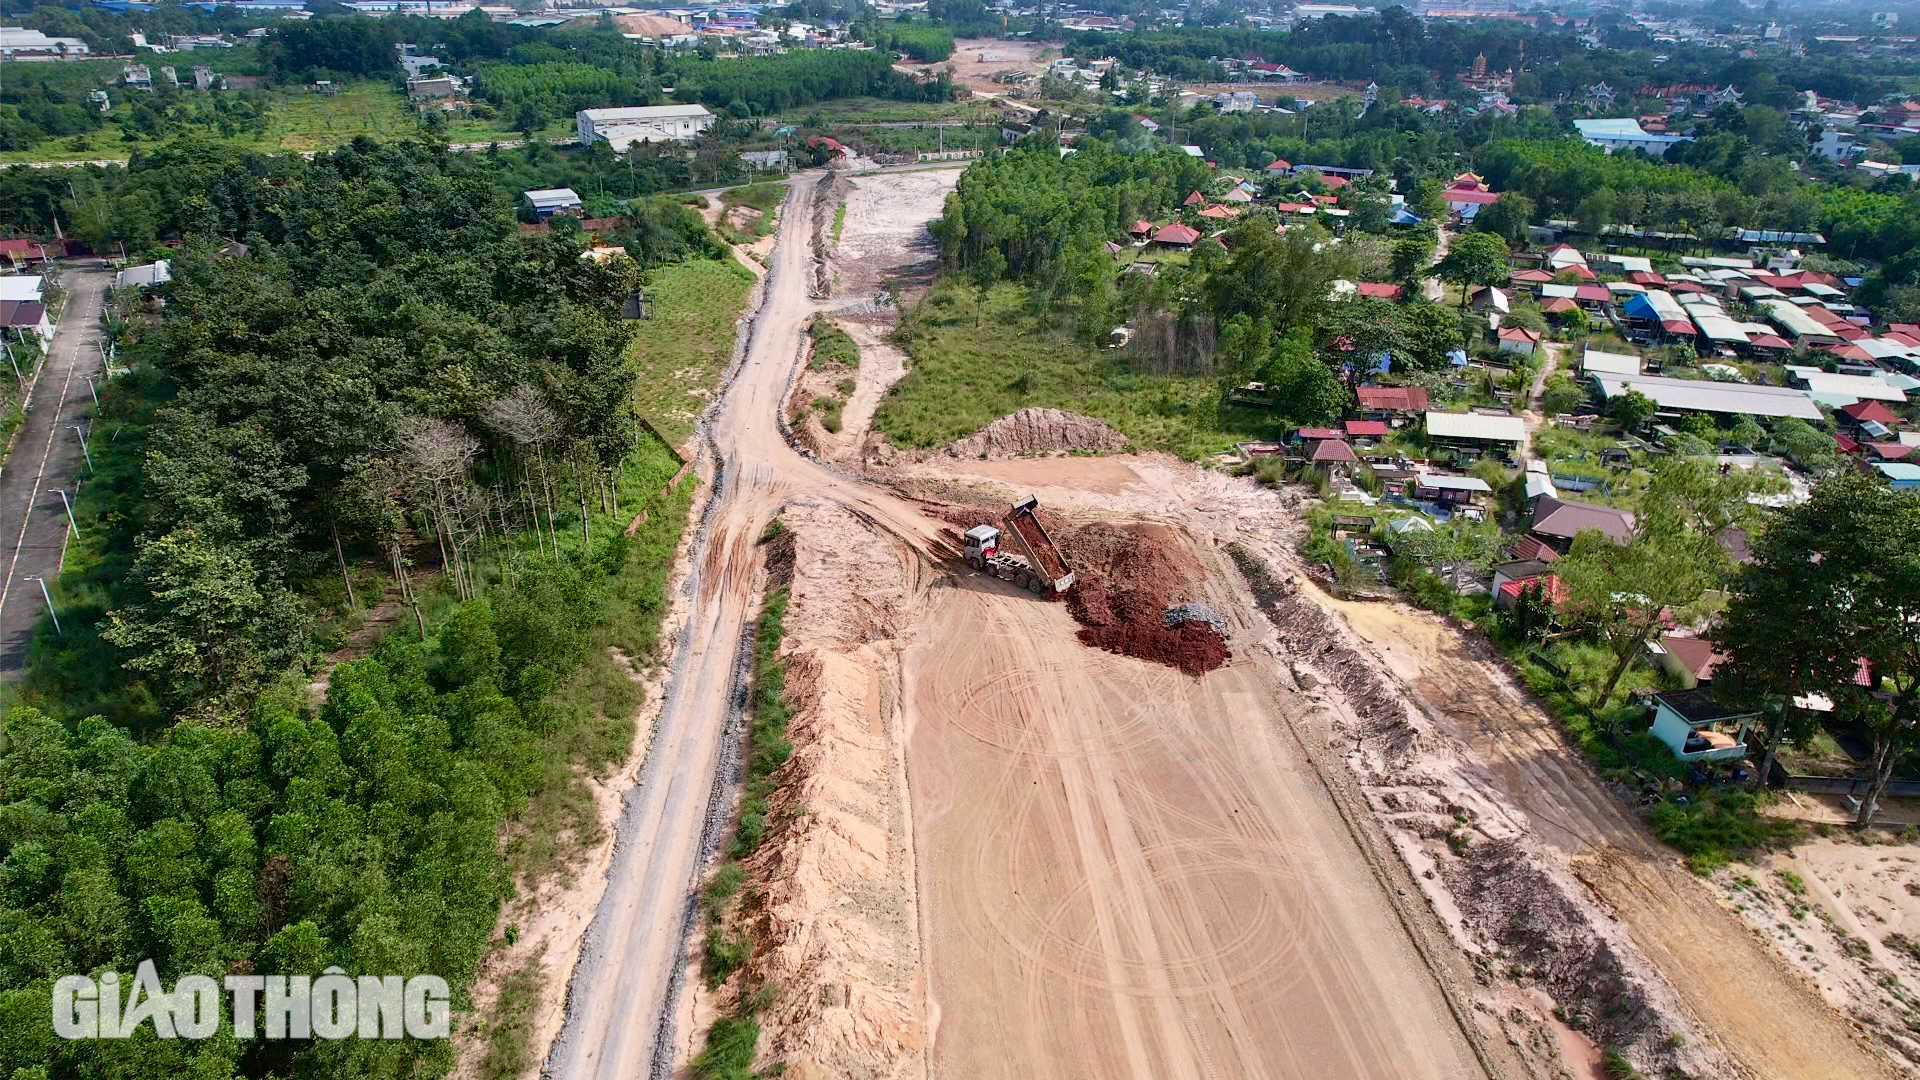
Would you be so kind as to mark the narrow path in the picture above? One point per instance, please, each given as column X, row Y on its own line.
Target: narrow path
column 46, row 459
column 1532, row 410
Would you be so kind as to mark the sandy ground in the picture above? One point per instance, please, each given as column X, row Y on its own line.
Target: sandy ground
column 1736, row 990
column 1846, row 911
column 975, row 62
column 883, row 238
column 1474, row 749
column 1129, row 872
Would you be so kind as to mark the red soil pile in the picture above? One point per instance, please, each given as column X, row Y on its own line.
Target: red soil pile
column 1127, row 576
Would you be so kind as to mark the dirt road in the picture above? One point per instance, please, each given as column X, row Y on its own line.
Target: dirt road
column 1771, row 1021
column 46, row 460
column 1128, row 872
column 620, row 999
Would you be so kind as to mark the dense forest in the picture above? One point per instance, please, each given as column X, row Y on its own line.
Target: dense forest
column 396, row 392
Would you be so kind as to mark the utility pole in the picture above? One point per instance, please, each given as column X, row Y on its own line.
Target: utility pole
column 71, row 523
column 91, row 389
column 48, row 597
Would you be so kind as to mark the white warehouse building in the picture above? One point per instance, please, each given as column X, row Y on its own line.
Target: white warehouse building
column 621, row 128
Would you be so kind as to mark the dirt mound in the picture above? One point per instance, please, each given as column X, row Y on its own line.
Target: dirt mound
column 1038, row 431
column 1127, row 577
column 1549, row 940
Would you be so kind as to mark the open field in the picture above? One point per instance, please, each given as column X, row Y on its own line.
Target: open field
column 975, row 61
column 1130, row 872
column 873, row 110
column 965, row 375
column 682, row 349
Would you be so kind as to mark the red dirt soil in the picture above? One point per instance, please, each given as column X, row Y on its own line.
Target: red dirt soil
column 1034, row 534
column 1126, row 577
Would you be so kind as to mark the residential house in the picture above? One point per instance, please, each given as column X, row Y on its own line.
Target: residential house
column 1476, row 432
column 1507, row 594
column 1516, row 570
column 1489, row 298
column 24, row 317
column 1380, row 290
column 1367, row 430
column 144, row 277
column 1556, row 522
column 1176, row 235
column 764, row 160
column 1680, row 396
column 1518, row 340
column 1690, row 660
column 1900, row 475
column 1866, row 412
column 1391, row 402
column 1698, row 728
column 1333, row 454
column 1460, row 492
column 550, row 201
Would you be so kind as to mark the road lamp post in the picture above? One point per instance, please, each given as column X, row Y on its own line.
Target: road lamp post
column 81, row 433
column 71, row 523
column 48, row 597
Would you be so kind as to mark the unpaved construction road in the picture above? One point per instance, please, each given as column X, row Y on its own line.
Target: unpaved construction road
column 1135, row 877
column 1128, row 872
column 622, row 989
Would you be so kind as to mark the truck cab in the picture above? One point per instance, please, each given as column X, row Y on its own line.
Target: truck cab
column 983, row 543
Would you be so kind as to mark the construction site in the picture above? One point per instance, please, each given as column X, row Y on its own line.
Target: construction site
column 1090, row 779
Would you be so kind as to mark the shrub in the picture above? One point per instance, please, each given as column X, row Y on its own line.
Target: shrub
column 729, row 1051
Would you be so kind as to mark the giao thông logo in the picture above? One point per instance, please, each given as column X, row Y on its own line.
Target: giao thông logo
column 333, row 1006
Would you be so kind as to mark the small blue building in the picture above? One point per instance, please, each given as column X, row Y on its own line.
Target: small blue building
column 1698, row 728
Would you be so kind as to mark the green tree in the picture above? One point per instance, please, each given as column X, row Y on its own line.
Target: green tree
column 1476, row 258
column 207, row 619
column 1508, row 218
column 1561, row 395
column 1632, row 409
column 1300, row 384
column 1622, row 592
column 1410, row 257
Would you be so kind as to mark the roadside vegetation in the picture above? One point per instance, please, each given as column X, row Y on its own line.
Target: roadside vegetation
column 729, row 1049
column 355, row 614
column 680, row 352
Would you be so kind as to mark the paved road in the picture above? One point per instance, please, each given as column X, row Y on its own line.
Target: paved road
column 46, row 456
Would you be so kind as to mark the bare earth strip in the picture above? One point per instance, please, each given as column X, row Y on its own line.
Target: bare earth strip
column 1127, row 872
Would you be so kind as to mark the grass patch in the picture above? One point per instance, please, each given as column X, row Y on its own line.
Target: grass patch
column 679, row 353
column 1716, row 826
column 509, row 1033
column 829, row 410
column 839, row 222
column 833, row 349
column 875, row 110
column 729, row 1051
column 765, row 198
column 768, row 745
column 971, row 366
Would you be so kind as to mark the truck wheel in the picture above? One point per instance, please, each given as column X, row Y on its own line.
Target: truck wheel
column 1020, row 578
column 974, row 561
column 1038, row 586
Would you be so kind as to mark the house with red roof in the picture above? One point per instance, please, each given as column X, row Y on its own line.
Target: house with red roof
column 1381, row 290
column 1332, row 452
column 1176, row 235
column 1366, row 429
column 1861, row 412
column 1279, row 166
column 1507, row 595
column 1690, row 660
column 1194, row 199
column 1390, row 401
column 1217, row 212
column 1518, row 340
column 1335, row 182
column 1141, row 229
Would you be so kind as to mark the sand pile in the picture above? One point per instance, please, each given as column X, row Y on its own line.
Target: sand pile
column 1126, row 579
column 1038, row 431
column 829, row 902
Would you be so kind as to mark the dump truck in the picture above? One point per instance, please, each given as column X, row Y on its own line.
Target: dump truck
column 1020, row 551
